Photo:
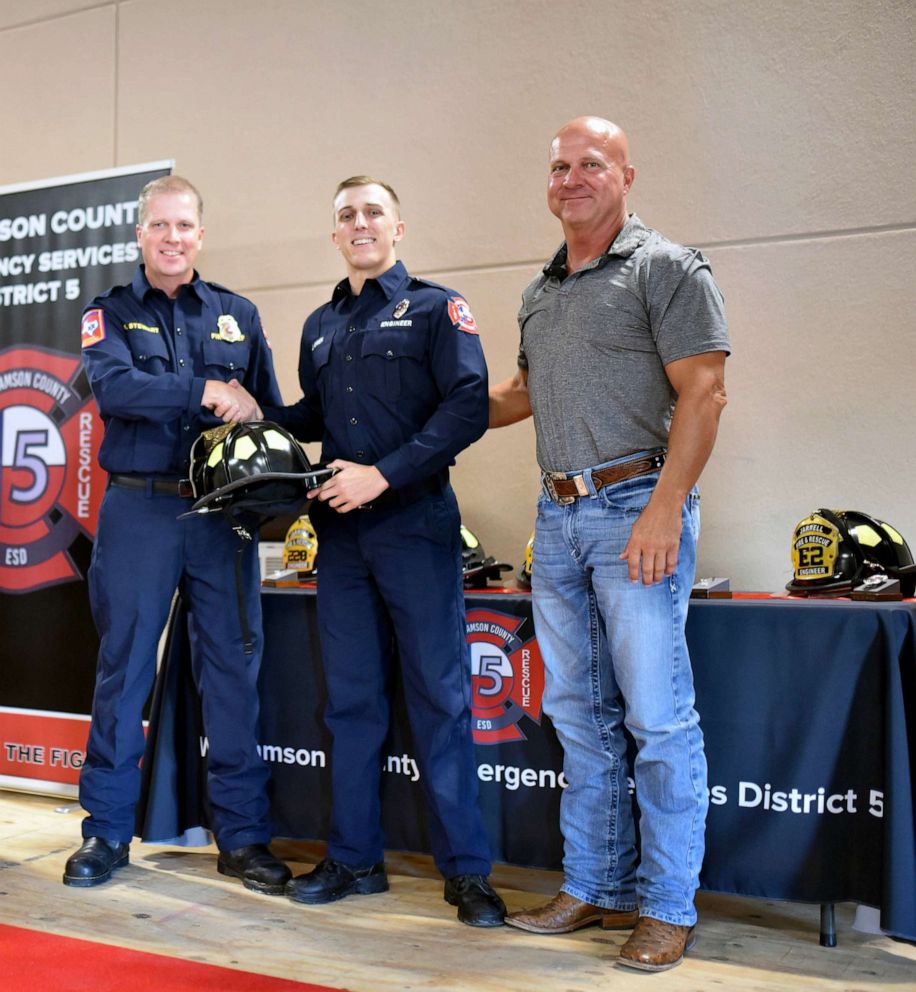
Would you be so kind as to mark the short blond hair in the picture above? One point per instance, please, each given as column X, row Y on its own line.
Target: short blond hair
column 167, row 184
column 367, row 181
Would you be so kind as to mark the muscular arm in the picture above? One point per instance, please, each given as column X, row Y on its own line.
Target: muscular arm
column 700, row 385
column 509, row 401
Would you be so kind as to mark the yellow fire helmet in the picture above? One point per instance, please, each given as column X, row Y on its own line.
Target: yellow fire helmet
column 300, row 550
column 835, row 550
column 524, row 573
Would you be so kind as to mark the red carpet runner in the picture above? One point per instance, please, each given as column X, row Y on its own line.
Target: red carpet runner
column 31, row 961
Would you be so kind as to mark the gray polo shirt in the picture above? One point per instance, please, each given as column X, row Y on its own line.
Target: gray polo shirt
column 596, row 344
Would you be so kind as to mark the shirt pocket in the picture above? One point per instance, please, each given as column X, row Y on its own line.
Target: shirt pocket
column 320, row 355
column 225, row 360
column 150, row 352
column 391, row 359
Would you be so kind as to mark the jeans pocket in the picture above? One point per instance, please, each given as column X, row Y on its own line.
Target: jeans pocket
column 631, row 496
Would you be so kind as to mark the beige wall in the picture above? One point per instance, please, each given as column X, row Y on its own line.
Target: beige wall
column 779, row 137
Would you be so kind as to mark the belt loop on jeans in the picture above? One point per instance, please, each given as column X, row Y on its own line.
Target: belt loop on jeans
column 564, row 489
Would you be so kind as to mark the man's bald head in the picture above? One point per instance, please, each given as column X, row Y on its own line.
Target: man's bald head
column 589, row 179
column 606, row 132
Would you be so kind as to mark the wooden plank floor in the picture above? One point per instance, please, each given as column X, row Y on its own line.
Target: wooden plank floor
column 172, row 901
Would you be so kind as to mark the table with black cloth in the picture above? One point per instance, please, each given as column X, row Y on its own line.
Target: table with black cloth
column 808, row 709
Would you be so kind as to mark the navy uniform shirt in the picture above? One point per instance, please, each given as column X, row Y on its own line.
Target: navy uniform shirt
column 394, row 377
column 148, row 358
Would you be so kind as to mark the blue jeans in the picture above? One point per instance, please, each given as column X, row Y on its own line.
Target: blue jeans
column 616, row 656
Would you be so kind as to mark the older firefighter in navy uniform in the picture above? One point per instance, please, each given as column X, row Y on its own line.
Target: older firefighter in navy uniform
column 395, row 385
column 167, row 356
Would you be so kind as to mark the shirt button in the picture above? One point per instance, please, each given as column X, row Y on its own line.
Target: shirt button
column 349, row 358
column 353, row 420
column 389, row 354
column 232, row 365
column 181, row 361
column 187, row 427
column 360, row 454
column 349, row 389
column 178, row 330
column 351, row 328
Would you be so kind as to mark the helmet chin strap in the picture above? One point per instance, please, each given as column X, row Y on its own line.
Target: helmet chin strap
column 242, row 531
column 240, row 592
column 249, row 471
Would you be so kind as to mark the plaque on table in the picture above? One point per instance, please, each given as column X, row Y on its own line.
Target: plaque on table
column 714, row 588
column 878, row 589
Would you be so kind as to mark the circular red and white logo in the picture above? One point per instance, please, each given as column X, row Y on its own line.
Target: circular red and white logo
column 50, row 481
column 459, row 313
column 507, row 677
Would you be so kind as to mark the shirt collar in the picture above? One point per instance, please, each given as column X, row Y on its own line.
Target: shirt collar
column 388, row 282
column 629, row 238
column 141, row 286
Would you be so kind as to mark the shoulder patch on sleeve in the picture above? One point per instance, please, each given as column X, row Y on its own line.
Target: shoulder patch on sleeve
column 460, row 314
column 92, row 329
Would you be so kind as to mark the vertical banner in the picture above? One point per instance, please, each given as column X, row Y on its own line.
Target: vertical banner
column 62, row 242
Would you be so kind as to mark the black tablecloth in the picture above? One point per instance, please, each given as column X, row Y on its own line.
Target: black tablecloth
column 808, row 709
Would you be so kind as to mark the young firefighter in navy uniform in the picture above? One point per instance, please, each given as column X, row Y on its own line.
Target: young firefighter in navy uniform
column 395, row 385
column 168, row 356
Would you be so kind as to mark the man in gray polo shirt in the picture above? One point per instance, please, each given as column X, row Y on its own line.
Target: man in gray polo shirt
column 621, row 363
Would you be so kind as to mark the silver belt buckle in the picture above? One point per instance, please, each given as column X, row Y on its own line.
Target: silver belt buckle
column 548, row 482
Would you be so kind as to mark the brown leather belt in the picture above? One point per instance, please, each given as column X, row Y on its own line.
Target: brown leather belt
column 563, row 489
column 173, row 487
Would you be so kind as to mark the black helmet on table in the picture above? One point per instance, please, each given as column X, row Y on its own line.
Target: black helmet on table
column 476, row 566
column 833, row 551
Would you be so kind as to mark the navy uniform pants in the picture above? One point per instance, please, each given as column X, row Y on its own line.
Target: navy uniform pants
column 393, row 574
column 142, row 553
